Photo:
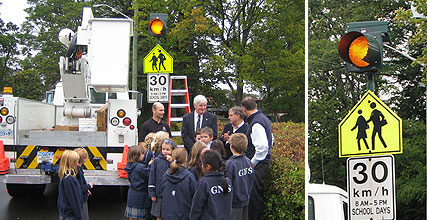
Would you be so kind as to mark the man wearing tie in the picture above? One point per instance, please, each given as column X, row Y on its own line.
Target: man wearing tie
column 199, row 118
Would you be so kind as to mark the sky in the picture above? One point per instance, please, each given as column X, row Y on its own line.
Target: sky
column 13, row 11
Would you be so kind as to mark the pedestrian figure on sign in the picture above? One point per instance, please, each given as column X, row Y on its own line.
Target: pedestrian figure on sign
column 161, row 58
column 154, row 62
column 379, row 121
column 362, row 125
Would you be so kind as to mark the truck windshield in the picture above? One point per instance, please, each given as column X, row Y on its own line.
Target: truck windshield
column 99, row 97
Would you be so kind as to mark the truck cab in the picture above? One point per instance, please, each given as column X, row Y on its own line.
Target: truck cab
column 326, row 202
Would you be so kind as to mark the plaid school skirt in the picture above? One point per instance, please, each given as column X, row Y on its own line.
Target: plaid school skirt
column 138, row 213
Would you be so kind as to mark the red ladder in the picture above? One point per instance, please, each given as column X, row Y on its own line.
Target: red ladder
column 178, row 92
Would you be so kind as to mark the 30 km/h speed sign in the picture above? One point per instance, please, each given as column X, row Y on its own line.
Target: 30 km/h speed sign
column 158, row 88
column 371, row 188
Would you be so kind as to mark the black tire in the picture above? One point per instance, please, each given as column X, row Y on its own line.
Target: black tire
column 25, row 190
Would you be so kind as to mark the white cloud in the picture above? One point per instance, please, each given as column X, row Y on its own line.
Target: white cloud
column 13, row 11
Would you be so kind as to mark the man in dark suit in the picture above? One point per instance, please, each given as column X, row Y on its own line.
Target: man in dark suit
column 236, row 125
column 200, row 118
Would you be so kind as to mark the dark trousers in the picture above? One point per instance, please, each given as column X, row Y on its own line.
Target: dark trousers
column 256, row 201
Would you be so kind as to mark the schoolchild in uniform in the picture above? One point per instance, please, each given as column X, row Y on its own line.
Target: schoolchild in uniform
column 85, row 186
column 157, row 142
column 69, row 191
column 178, row 187
column 158, row 168
column 197, row 136
column 147, row 142
column 218, row 146
column 241, row 174
column 206, row 135
column 138, row 202
column 195, row 164
column 213, row 197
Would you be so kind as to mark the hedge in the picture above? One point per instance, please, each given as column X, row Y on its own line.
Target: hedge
column 284, row 196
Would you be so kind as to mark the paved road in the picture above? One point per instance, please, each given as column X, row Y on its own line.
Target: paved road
column 105, row 203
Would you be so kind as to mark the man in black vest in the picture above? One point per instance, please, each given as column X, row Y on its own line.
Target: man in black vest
column 200, row 118
column 155, row 123
column 260, row 141
column 236, row 125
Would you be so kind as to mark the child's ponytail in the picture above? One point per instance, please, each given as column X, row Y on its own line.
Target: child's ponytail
column 223, row 168
column 179, row 156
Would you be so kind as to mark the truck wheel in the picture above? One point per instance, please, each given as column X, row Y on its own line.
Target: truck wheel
column 25, row 190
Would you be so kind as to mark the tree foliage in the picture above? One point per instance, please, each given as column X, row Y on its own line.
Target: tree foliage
column 8, row 50
column 416, row 37
column 256, row 45
column 333, row 92
column 40, row 33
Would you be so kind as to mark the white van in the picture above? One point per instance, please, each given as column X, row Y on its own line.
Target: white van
column 326, row 202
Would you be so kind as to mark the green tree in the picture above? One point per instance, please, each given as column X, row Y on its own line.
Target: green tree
column 8, row 51
column 277, row 55
column 418, row 35
column 40, row 33
column 26, row 84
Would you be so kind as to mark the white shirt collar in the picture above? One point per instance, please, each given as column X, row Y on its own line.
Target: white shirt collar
column 238, row 126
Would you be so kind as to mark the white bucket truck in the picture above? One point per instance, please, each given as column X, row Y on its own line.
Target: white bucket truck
column 94, row 76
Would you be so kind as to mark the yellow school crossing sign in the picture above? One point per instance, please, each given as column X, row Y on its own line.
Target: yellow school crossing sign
column 370, row 128
column 158, row 61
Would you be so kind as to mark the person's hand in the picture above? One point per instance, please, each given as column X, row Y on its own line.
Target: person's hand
column 151, row 161
column 91, row 185
column 226, row 136
column 153, row 198
column 169, row 158
column 89, row 193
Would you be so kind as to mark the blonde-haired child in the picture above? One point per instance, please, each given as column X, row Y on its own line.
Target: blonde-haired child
column 195, row 165
column 147, row 143
column 138, row 202
column 69, row 191
column 149, row 138
column 157, row 142
column 83, row 184
column 178, row 187
column 158, row 168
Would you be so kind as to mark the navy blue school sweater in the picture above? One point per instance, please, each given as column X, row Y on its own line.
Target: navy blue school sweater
column 158, row 168
column 138, row 174
column 147, row 156
column 70, row 198
column 177, row 191
column 241, row 174
column 197, row 173
column 85, row 187
column 210, row 202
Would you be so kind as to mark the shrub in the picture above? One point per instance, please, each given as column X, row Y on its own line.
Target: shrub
column 284, row 196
